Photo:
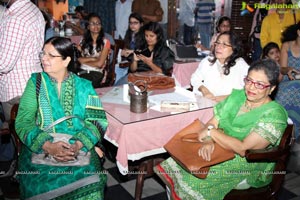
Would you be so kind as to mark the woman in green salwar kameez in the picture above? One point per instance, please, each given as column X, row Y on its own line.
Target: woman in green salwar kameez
column 250, row 120
column 61, row 93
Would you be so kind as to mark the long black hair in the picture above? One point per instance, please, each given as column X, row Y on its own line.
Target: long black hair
column 290, row 33
column 237, row 49
column 129, row 33
column 87, row 42
column 65, row 48
column 158, row 31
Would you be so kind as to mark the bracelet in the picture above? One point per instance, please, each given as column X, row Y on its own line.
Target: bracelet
column 208, row 129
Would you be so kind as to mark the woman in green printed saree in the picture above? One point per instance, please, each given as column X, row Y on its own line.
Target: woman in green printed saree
column 250, row 120
column 56, row 94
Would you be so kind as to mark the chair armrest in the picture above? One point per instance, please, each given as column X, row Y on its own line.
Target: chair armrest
column 263, row 155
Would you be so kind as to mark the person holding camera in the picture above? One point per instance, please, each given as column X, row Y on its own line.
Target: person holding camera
column 152, row 53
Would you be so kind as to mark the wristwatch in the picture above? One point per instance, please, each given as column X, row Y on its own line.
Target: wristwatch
column 208, row 129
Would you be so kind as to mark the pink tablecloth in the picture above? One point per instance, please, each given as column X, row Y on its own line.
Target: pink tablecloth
column 182, row 72
column 144, row 138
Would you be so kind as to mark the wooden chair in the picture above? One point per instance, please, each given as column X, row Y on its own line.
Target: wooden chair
column 110, row 65
column 121, row 45
column 279, row 155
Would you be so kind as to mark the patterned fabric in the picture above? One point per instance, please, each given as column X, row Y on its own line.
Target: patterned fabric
column 77, row 97
column 288, row 96
column 204, row 11
column 21, row 39
column 268, row 120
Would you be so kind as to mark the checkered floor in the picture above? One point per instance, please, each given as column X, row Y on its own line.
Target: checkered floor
column 122, row 187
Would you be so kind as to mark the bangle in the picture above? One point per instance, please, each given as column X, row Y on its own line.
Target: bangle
column 208, row 129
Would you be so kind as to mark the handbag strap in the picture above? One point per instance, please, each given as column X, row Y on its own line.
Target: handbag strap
column 61, row 120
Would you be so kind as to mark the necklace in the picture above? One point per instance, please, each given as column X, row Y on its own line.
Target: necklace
column 247, row 107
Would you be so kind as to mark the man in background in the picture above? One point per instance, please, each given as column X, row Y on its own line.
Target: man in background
column 187, row 20
column 22, row 31
column 150, row 10
column 204, row 20
column 123, row 10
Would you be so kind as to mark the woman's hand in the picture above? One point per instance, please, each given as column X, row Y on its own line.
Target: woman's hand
column 290, row 73
column 206, row 93
column 145, row 59
column 126, row 52
column 206, row 150
column 60, row 151
column 76, row 147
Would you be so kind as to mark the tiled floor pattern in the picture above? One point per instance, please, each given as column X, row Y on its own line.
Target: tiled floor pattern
column 122, row 188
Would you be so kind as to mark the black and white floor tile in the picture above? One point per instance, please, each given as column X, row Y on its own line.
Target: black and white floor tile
column 122, row 187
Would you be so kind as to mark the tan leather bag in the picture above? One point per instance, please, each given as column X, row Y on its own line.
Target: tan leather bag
column 155, row 81
column 184, row 146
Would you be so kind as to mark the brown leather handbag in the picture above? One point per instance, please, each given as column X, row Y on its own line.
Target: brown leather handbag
column 155, row 81
column 184, row 147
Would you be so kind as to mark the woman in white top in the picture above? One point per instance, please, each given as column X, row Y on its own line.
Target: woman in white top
column 225, row 70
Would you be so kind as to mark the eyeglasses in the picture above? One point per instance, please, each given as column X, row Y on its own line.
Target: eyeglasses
column 257, row 85
column 95, row 24
column 50, row 55
column 134, row 23
column 223, row 45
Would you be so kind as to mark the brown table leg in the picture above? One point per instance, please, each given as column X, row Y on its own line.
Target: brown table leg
column 145, row 170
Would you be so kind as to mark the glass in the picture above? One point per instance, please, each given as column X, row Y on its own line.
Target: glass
column 134, row 23
column 95, row 24
column 257, row 85
column 50, row 55
column 223, row 45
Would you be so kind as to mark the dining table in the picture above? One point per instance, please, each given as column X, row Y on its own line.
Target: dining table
column 142, row 135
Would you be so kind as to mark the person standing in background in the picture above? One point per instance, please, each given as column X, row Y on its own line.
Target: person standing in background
column 22, row 30
column 105, row 9
column 150, row 10
column 164, row 22
column 204, row 20
column 123, row 10
column 275, row 23
column 187, row 20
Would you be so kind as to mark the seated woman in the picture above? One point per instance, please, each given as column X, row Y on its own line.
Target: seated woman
column 152, row 54
column 225, row 70
column 288, row 90
column 135, row 22
column 94, row 50
column 250, row 120
column 61, row 93
column 222, row 25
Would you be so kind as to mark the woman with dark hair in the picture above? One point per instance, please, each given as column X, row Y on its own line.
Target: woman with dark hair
column 94, row 49
column 288, row 90
column 152, row 53
column 223, row 71
column 58, row 101
column 222, row 25
column 272, row 51
column 290, row 52
column 135, row 22
column 247, row 119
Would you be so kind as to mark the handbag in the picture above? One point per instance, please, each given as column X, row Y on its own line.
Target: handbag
column 155, row 81
column 184, row 147
column 83, row 158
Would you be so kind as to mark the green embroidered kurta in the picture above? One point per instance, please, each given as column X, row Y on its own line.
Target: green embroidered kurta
column 269, row 121
column 77, row 97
